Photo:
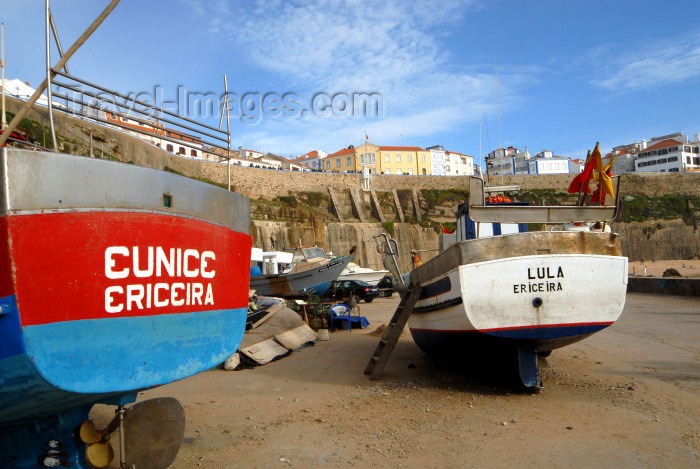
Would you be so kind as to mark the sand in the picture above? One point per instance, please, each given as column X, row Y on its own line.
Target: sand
column 628, row 396
column 688, row 268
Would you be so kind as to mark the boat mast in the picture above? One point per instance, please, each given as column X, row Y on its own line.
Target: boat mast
column 48, row 77
column 228, row 129
column 3, row 121
column 498, row 101
column 482, row 173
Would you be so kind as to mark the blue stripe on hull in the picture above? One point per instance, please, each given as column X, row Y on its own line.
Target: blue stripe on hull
column 454, row 344
column 80, row 362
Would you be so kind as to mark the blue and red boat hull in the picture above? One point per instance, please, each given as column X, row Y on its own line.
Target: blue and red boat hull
column 104, row 295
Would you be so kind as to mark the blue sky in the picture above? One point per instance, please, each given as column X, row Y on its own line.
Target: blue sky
column 570, row 73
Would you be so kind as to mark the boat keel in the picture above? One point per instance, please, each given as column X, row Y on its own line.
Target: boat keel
column 529, row 369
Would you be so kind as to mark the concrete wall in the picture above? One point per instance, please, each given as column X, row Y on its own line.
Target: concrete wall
column 256, row 182
column 665, row 285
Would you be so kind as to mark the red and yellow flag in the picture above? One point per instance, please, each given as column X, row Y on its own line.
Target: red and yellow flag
column 604, row 179
column 604, row 183
column 581, row 181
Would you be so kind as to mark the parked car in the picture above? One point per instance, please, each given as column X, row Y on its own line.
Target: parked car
column 343, row 289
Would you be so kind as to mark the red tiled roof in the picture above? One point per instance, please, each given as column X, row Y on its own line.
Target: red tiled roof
column 401, row 149
column 311, row 154
column 457, row 153
column 663, row 144
column 342, row 152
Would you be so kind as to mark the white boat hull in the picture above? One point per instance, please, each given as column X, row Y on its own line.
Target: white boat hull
column 372, row 278
column 543, row 301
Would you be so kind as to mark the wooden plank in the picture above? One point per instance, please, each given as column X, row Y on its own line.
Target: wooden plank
column 540, row 214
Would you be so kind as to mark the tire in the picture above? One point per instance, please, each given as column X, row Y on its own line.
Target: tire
column 368, row 300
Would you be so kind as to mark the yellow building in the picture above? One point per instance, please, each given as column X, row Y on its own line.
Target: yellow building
column 380, row 159
column 404, row 160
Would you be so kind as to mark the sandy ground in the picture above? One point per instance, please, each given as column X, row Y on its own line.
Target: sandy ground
column 689, row 268
column 628, row 396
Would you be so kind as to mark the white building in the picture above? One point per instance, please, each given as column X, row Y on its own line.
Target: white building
column 170, row 140
column 625, row 156
column 669, row 154
column 450, row 163
column 576, row 166
column 437, row 160
column 458, row 164
column 313, row 160
column 545, row 162
column 507, row 161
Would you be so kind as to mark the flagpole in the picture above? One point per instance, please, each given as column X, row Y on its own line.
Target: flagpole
column 3, row 121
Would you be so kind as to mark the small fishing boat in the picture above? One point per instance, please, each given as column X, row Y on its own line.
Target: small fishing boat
column 310, row 272
column 114, row 278
column 355, row 272
column 500, row 289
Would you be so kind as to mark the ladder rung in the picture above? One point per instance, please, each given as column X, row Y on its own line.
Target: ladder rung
column 393, row 332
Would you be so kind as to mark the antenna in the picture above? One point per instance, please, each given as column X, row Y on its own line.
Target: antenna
column 3, row 120
column 498, row 100
column 48, row 78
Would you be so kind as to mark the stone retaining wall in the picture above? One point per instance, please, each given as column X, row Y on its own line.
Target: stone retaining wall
column 665, row 285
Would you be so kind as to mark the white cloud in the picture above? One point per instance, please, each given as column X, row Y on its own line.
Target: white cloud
column 398, row 49
column 653, row 66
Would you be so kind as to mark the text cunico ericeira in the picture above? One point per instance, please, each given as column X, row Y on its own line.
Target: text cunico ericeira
column 158, row 278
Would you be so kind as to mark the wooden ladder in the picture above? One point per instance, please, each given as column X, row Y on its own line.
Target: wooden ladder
column 393, row 331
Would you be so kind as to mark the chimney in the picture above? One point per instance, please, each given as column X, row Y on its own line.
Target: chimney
column 644, row 144
column 697, row 137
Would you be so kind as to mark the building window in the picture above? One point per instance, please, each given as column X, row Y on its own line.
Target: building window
column 169, row 147
column 410, row 158
column 398, row 171
column 182, row 151
column 422, row 157
column 424, row 173
column 349, row 162
column 398, row 158
column 337, row 163
column 387, row 171
column 367, row 158
column 193, row 152
column 410, row 170
column 328, row 165
column 386, row 157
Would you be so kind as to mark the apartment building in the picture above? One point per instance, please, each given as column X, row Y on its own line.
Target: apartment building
column 669, row 154
column 505, row 161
